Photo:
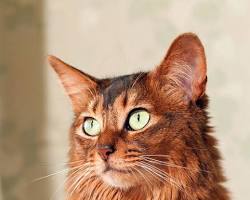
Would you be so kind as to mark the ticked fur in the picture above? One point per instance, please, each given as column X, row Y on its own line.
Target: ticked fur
column 173, row 157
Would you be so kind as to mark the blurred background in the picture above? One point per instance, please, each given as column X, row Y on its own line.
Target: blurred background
column 106, row 38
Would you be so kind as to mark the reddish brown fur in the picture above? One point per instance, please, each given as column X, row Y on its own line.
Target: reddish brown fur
column 174, row 95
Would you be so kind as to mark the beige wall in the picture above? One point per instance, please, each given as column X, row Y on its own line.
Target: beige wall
column 23, row 100
column 107, row 38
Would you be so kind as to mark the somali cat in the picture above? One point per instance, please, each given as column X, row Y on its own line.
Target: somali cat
column 146, row 135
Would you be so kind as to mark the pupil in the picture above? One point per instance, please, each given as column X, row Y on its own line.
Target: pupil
column 92, row 123
column 138, row 117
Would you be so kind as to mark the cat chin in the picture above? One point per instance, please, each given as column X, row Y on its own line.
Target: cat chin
column 117, row 180
column 113, row 177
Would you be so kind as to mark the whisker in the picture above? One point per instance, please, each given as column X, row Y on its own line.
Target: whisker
column 172, row 165
column 73, row 175
column 83, row 167
column 80, row 179
column 151, row 172
column 144, row 177
column 65, row 163
column 53, row 174
column 165, row 176
column 162, row 173
column 149, row 167
column 156, row 155
column 76, row 161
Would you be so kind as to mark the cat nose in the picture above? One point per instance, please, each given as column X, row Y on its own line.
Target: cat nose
column 105, row 151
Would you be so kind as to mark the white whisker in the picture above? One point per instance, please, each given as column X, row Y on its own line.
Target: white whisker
column 163, row 175
column 53, row 174
column 144, row 177
column 151, row 172
column 155, row 155
column 161, row 172
column 172, row 165
column 80, row 179
column 83, row 168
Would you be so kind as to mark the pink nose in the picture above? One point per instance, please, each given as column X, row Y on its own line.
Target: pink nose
column 105, row 151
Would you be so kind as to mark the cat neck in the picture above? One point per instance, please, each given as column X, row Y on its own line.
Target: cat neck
column 94, row 189
column 174, row 192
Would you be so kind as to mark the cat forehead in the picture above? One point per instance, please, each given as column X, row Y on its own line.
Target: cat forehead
column 113, row 88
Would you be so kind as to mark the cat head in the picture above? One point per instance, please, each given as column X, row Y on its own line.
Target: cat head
column 133, row 129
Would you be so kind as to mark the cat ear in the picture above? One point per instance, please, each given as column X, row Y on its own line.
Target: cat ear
column 79, row 86
column 185, row 66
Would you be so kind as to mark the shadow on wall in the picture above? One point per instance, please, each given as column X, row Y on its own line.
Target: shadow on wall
column 22, row 104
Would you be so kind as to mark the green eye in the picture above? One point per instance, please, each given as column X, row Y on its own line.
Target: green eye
column 138, row 119
column 91, row 127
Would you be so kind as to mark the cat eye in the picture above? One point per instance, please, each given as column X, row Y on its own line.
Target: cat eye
column 138, row 119
column 91, row 126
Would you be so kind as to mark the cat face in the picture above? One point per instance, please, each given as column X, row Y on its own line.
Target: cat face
column 117, row 129
column 132, row 130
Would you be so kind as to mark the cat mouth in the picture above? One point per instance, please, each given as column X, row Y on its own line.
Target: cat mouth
column 112, row 169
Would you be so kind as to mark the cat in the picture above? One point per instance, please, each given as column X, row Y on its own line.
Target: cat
column 144, row 136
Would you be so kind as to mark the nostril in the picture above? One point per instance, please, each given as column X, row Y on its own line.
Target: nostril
column 109, row 152
column 105, row 151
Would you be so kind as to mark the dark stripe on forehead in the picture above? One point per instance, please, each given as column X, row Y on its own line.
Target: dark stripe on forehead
column 116, row 86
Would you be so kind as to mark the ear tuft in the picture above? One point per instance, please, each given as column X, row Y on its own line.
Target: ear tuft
column 79, row 86
column 185, row 65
